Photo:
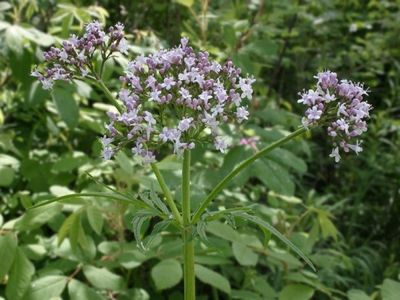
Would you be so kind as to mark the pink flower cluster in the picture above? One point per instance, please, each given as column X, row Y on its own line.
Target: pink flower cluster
column 75, row 55
column 177, row 97
column 341, row 106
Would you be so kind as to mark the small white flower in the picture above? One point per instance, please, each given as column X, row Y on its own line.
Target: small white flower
column 335, row 154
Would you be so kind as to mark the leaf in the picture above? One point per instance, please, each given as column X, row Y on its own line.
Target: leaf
column 6, row 176
column 187, row 3
column 390, row 289
column 296, row 291
column 95, row 218
column 5, row 6
column 20, row 276
column 137, row 223
column 223, row 231
column 274, row 176
column 160, row 226
column 354, row 294
column 96, row 195
column 66, row 226
column 46, row 287
column 38, row 216
column 8, row 246
column 275, row 232
column 80, row 291
column 157, row 201
column 166, row 274
column 103, row 279
column 212, row 278
column 327, row 227
column 244, row 255
column 65, row 104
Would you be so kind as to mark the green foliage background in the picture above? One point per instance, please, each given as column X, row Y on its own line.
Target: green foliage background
column 345, row 217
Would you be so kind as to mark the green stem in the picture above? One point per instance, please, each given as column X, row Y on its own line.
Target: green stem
column 108, row 94
column 188, row 243
column 167, row 194
column 224, row 182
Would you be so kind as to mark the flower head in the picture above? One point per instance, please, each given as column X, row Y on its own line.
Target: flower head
column 178, row 97
column 73, row 58
column 339, row 105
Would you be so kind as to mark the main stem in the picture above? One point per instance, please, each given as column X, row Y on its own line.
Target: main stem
column 188, row 242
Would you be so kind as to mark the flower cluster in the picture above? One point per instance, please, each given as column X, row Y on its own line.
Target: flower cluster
column 176, row 97
column 341, row 106
column 75, row 55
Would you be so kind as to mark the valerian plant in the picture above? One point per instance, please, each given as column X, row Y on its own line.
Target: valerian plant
column 173, row 100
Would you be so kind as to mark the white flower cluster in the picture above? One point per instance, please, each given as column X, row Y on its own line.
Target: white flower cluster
column 176, row 96
column 342, row 107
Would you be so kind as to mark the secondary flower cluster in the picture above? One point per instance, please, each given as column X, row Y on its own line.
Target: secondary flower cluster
column 179, row 97
column 75, row 55
column 341, row 106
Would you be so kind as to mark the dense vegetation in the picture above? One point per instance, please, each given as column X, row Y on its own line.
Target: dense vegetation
column 343, row 216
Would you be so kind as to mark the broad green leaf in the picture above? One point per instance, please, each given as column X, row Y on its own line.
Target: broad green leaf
column 36, row 217
column 80, row 291
column 296, row 291
column 274, row 176
column 166, row 274
column 223, row 231
column 6, row 176
column 212, row 278
column 244, row 255
column 8, row 246
column 390, row 289
column 14, row 38
column 245, row 295
column 70, row 161
column 354, row 294
column 46, row 287
column 20, row 276
column 103, row 279
column 279, row 235
column 95, row 218
column 65, row 104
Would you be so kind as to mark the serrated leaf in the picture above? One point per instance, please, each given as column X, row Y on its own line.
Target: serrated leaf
column 275, row 232
column 212, row 278
column 201, row 230
column 158, row 203
column 137, row 223
column 166, row 274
